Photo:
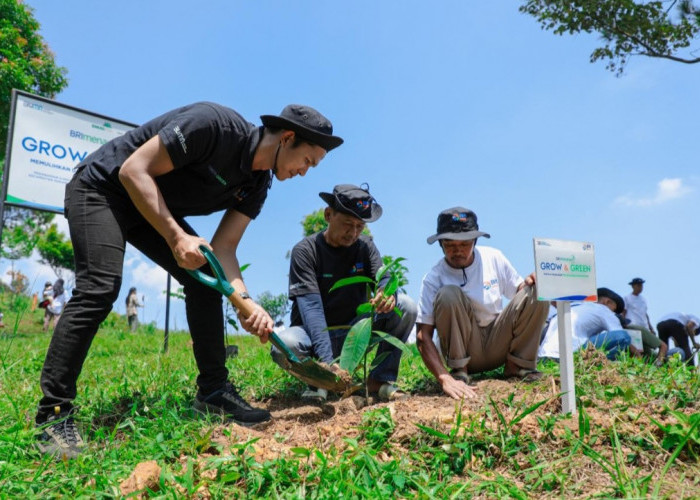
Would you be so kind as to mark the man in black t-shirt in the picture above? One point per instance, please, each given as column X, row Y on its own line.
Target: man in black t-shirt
column 320, row 260
column 138, row 188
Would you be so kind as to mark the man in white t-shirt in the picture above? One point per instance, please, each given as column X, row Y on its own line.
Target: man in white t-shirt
column 636, row 306
column 594, row 322
column 462, row 297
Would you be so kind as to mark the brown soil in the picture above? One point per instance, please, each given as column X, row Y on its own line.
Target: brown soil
column 325, row 425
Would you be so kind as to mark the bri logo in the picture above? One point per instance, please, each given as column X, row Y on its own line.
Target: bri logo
column 240, row 195
column 489, row 284
column 357, row 268
column 459, row 217
column 362, row 204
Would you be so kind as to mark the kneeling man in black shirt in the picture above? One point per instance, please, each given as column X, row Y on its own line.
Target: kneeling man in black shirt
column 317, row 263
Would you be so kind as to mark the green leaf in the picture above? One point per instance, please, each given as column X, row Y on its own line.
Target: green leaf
column 365, row 308
column 433, row 432
column 386, row 267
column 244, row 267
column 391, row 286
column 393, row 341
column 355, row 345
column 350, row 281
column 301, row 451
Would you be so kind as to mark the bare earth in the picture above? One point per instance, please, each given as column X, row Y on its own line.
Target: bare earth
column 325, row 425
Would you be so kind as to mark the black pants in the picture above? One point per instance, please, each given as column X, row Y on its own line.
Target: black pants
column 100, row 226
column 676, row 330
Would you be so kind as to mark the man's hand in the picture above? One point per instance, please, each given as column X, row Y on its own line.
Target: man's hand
column 456, row 389
column 258, row 323
column 383, row 304
column 528, row 281
column 186, row 251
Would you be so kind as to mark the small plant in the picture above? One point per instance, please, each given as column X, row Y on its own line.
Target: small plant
column 377, row 427
column 362, row 338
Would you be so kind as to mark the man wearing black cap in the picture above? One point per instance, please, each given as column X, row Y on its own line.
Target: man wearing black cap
column 317, row 263
column 462, row 297
column 138, row 188
column 636, row 306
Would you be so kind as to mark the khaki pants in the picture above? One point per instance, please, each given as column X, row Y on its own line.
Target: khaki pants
column 514, row 335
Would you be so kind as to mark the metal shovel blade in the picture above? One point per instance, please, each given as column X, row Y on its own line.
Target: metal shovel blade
column 307, row 369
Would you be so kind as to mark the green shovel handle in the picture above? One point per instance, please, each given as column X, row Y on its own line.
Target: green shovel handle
column 221, row 283
column 218, row 281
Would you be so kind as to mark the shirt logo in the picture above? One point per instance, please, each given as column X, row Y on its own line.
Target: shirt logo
column 181, row 138
column 489, row 284
column 241, row 194
column 357, row 268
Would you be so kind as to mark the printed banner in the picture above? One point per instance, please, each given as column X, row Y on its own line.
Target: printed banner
column 565, row 270
column 46, row 141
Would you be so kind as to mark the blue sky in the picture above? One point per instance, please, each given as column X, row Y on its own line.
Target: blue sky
column 440, row 103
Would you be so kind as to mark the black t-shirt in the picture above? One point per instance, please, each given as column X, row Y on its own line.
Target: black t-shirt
column 212, row 149
column 316, row 266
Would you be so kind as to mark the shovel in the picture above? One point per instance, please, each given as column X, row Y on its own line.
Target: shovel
column 307, row 369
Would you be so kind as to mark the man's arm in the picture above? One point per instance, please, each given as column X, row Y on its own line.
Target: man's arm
column 528, row 281
column 225, row 245
column 690, row 331
column 311, row 311
column 661, row 356
column 651, row 328
column 137, row 175
column 456, row 389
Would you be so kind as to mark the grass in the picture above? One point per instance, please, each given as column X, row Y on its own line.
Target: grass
column 637, row 433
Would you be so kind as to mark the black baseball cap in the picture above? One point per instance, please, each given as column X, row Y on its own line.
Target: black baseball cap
column 636, row 281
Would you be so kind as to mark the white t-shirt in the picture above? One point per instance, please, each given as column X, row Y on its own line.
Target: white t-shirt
column 636, row 307
column 587, row 319
column 56, row 306
column 489, row 278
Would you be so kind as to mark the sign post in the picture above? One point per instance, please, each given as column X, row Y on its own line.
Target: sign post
column 565, row 272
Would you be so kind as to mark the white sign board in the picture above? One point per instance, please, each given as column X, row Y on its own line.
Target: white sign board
column 565, row 270
column 46, row 140
column 636, row 339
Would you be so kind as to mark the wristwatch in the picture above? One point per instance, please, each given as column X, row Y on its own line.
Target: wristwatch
column 244, row 295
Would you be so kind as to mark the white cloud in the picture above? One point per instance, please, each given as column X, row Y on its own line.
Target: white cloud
column 666, row 190
column 147, row 276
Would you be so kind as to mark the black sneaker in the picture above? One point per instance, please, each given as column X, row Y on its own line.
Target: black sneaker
column 60, row 436
column 229, row 403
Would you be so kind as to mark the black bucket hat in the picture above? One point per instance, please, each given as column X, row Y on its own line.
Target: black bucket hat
column 307, row 123
column 636, row 281
column 457, row 223
column 619, row 303
column 353, row 200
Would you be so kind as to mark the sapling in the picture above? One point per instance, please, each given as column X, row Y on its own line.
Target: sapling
column 362, row 338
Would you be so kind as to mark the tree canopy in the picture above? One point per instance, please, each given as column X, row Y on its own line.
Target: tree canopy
column 56, row 251
column 661, row 29
column 26, row 63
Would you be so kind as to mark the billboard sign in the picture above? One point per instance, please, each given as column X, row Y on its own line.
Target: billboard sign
column 46, row 140
column 565, row 270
